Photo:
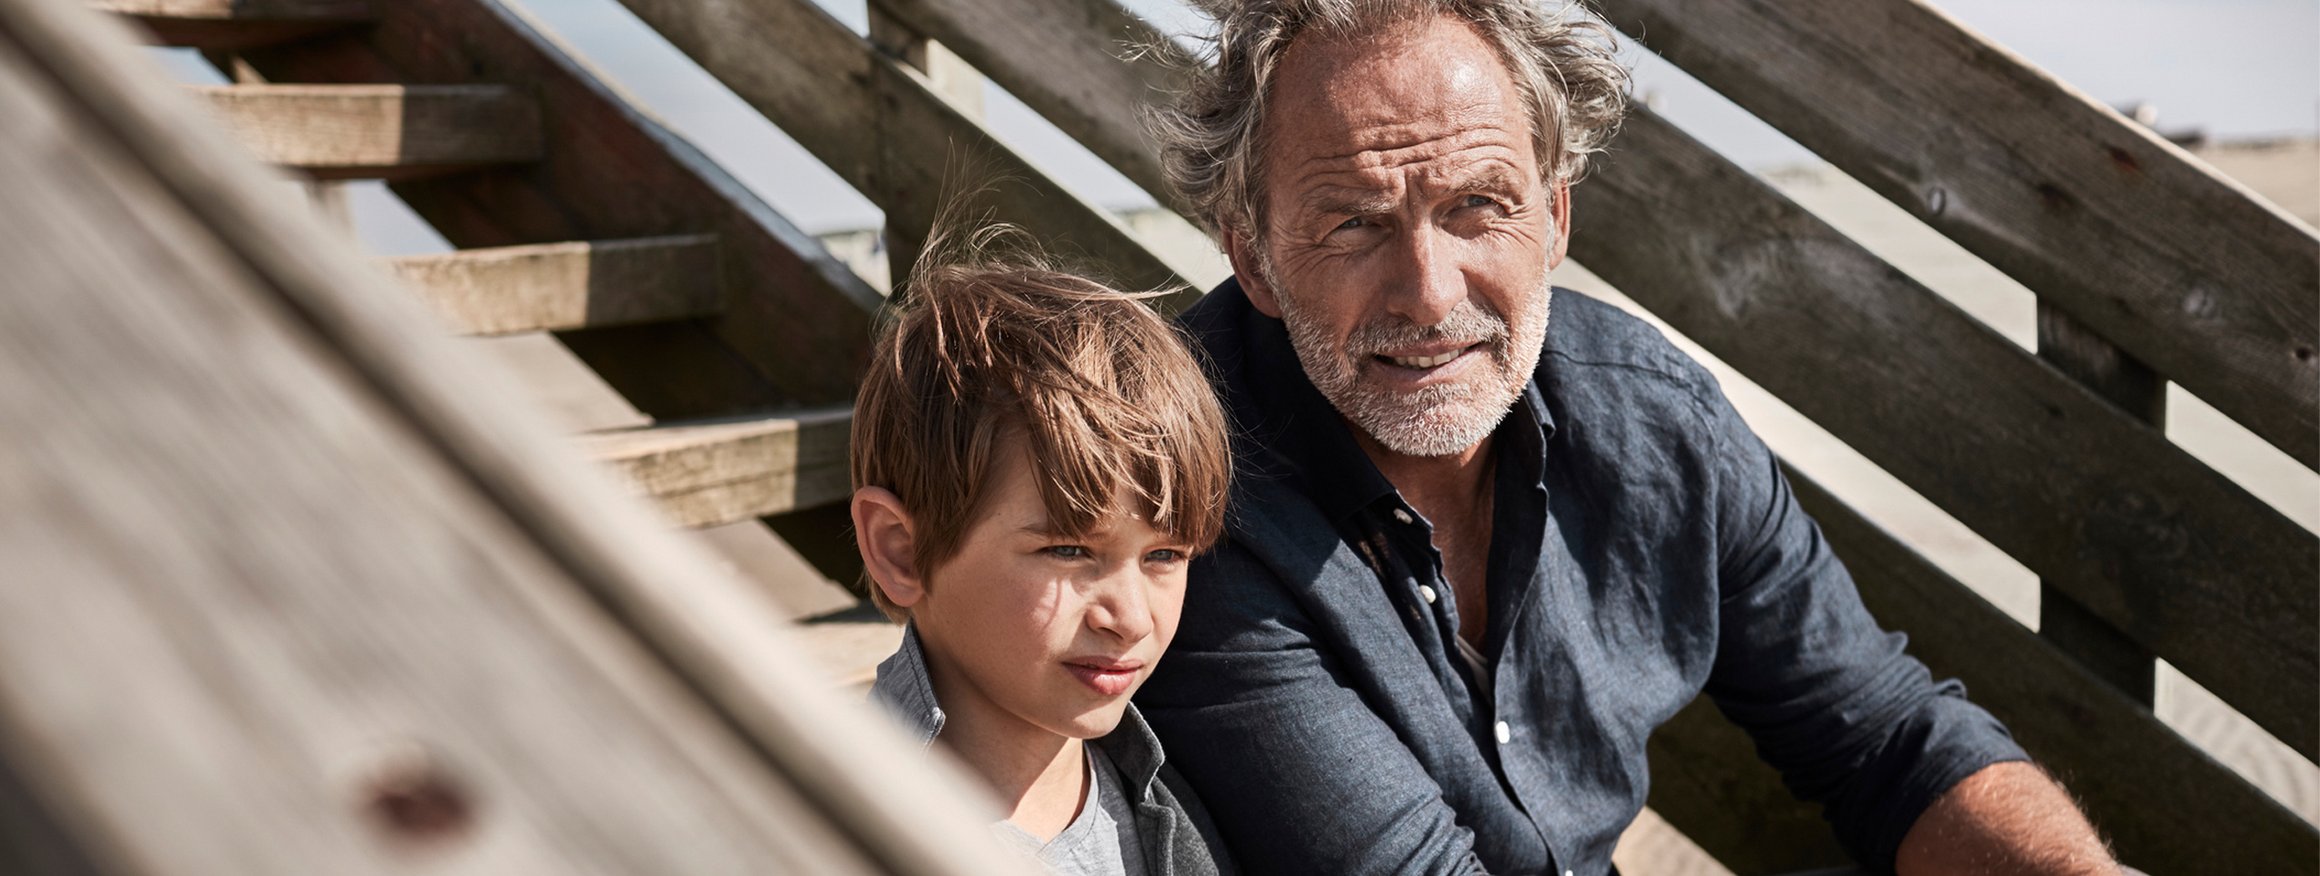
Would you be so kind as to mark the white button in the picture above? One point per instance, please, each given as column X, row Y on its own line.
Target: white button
column 1401, row 515
column 1427, row 592
column 1506, row 733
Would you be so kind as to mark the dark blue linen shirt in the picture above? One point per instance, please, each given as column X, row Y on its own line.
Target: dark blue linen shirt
column 1645, row 550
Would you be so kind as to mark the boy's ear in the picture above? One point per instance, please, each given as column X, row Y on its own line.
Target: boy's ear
column 1240, row 250
column 883, row 532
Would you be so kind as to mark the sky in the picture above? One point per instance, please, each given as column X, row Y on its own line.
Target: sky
column 2233, row 68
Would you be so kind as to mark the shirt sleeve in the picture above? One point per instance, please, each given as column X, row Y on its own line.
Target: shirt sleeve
column 1831, row 699
column 1300, row 775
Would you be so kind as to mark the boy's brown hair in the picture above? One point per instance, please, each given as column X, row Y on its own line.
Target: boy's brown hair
column 987, row 353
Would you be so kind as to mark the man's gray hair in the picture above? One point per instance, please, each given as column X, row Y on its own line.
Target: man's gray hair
column 1561, row 60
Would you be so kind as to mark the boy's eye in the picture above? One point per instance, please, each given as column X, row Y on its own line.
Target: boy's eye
column 1165, row 555
column 1067, row 551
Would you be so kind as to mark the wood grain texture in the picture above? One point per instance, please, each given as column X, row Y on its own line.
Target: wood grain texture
column 2158, row 253
column 2170, row 552
column 796, row 323
column 233, row 25
column 713, row 473
column 874, row 121
column 388, row 132
column 2107, row 749
column 300, row 591
column 2126, row 382
column 568, row 286
column 1021, row 44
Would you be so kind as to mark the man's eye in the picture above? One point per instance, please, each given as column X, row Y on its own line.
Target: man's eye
column 1355, row 222
column 1067, row 551
column 1478, row 201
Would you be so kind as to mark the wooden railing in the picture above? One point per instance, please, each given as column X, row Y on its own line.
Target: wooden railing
column 2087, row 210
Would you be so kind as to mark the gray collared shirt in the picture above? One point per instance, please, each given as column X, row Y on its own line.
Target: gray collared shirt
column 1173, row 835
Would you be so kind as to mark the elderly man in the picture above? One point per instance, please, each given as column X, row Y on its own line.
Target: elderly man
column 1479, row 555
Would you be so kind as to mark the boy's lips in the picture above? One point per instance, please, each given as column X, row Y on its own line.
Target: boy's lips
column 1105, row 676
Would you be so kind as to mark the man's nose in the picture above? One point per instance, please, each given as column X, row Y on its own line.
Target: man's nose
column 1120, row 606
column 1430, row 285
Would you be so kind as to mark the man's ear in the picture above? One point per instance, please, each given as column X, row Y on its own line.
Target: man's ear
column 1241, row 250
column 883, row 531
column 1562, row 213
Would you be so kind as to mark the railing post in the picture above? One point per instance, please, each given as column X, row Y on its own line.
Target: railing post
column 948, row 76
column 2119, row 378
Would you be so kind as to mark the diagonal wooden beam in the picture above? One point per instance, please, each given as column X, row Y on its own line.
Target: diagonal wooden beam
column 2096, row 502
column 875, row 122
column 234, row 25
column 2153, row 250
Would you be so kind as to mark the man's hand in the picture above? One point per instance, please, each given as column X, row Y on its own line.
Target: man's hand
column 2009, row 818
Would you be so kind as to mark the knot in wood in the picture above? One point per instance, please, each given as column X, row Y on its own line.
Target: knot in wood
column 411, row 798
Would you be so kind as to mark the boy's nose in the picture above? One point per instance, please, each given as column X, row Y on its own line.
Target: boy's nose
column 1121, row 609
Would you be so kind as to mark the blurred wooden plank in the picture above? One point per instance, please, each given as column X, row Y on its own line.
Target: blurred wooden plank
column 233, row 25
column 796, row 322
column 568, row 286
column 875, row 122
column 713, row 473
column 385, row 132
column 297, row 589
column 2152, row 249
column 2107, row 749
column 1022, row 44
column 2147, row 538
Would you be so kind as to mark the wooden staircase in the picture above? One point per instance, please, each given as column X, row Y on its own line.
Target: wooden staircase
column 577, row 215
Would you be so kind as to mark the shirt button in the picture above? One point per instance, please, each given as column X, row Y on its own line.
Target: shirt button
column 1427, row 592
column 1506, row 733
column 1403, row 516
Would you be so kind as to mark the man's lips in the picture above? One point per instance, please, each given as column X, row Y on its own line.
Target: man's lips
column 1108, row 677
column 1424, row 360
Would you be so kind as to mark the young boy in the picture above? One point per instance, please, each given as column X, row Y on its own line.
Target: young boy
column 1036, row 458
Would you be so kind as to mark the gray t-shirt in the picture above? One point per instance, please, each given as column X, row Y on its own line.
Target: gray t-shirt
column 1100, row 842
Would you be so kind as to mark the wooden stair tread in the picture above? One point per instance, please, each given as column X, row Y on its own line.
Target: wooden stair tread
column 708, row 473
column 847, row 646
column 391, row 132
column 568, row 286
column 238, row 25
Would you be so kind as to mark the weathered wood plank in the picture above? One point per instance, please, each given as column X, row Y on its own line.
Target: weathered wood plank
column 875, row 122
column 2109, row 751
column 568, row 286
column 233, row 25
column 796, row 322
column 2120, row 379
column 386, row 132
column 341, row 607
column 1021, row 44
column 714, row 473
column 2155, row 251
column 2170, row 552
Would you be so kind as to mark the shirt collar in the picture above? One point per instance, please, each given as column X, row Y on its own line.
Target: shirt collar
column 906, row 690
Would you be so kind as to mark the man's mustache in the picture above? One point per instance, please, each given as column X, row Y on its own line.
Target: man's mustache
column 1468, row 325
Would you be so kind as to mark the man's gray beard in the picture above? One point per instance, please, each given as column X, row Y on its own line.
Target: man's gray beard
column 1437, row 420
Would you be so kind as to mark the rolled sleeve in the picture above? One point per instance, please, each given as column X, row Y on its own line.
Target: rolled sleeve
column 1831, row 699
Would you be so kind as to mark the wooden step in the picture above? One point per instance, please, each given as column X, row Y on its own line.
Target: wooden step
column 709, row 473
column 568, row 286
column 238, row 25
column 389, row 132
